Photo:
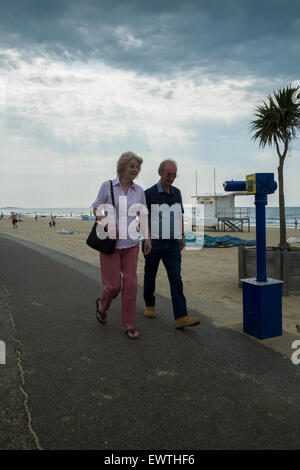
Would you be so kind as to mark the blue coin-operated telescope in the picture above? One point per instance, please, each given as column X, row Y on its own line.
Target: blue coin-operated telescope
column 262, row 296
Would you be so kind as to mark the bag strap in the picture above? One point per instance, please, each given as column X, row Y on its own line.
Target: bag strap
column 112, row 193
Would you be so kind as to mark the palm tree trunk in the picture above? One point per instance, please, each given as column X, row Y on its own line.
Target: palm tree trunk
column 283, row 243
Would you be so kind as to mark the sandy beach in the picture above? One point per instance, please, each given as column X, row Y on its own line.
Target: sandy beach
column 209, row 274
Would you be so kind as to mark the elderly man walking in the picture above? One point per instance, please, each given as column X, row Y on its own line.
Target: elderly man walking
column 165, row 208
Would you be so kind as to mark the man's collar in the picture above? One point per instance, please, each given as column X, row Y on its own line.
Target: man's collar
column 161, row 189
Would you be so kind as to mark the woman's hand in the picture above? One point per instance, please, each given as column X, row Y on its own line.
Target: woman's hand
column 109, row 227
column 113, row 232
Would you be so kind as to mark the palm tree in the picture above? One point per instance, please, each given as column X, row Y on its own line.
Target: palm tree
column 278, row 120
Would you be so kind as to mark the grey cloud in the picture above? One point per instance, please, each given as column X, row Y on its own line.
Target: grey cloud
column 169, row 95
column 161, row 37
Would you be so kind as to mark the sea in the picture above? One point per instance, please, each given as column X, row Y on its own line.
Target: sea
column 272, row 216
column 272, row 213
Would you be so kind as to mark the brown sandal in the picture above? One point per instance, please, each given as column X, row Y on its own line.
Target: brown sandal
column 101, row 316
column 132, row 333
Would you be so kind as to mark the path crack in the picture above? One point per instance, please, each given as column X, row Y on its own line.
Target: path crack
column 18, row 347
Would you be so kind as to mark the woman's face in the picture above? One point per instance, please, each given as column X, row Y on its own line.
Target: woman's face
column 132, row 170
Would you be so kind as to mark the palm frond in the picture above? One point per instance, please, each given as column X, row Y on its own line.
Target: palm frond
column 278, row 118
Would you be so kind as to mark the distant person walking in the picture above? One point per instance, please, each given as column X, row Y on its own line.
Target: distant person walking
column 296, row 223
column 14, row 219
column 118, row 270
column 166, row 246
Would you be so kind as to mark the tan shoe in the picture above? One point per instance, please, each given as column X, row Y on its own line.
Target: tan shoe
column 182, row 322
column 149, row 312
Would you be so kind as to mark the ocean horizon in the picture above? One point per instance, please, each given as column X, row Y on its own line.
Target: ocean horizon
column 272, row 213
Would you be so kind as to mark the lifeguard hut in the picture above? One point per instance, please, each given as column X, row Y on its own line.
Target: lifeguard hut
column 221, row 214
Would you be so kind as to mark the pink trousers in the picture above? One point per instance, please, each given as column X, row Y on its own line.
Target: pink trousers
column 118, row 273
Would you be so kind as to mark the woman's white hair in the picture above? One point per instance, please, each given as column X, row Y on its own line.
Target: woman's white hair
column 124, row 161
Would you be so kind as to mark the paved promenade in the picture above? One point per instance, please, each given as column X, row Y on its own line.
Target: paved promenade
column 71, row 383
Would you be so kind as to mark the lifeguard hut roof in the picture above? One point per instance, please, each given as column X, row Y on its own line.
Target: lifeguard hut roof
column 229, row 194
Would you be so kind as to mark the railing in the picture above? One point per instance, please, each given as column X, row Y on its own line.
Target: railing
column 233, row 212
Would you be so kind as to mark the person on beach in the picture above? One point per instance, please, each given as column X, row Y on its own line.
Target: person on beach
column 118, row 271
column 14, row 219
column 166, row 246
column 296, row 223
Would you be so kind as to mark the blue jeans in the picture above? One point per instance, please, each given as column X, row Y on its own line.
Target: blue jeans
column 169, row 252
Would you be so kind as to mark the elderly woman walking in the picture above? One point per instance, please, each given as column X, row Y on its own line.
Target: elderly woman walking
column 118, row 271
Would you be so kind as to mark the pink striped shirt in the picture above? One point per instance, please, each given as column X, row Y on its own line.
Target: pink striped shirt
column 135, row 197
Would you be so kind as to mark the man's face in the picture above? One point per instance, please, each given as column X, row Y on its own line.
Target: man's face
column 168, row 174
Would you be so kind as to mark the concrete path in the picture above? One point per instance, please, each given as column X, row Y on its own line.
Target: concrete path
column 70, row 383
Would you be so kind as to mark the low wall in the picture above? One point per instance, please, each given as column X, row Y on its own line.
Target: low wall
column 283, row 265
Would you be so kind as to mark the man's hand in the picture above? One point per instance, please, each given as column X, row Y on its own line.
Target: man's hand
column 147, row 247
column 181, row 243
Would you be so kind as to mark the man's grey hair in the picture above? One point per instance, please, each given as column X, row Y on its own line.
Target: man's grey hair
column 163, row 163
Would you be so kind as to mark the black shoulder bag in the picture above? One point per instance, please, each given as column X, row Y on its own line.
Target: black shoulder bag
column 106, row 245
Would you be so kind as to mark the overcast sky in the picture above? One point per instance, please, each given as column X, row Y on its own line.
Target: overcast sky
column 83, row 81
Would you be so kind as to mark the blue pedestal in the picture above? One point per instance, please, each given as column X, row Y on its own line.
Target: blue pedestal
column 262, row 308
